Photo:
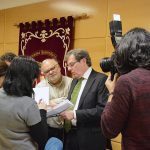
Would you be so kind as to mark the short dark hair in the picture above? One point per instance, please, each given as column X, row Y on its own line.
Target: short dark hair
column 3, row 68
column 20, row 76
column 133, row 51
column 8, row 56
column 79, row 54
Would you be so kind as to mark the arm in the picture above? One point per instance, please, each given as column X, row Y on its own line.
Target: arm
column 39, row 131
column 31, row 117
column 116, row 112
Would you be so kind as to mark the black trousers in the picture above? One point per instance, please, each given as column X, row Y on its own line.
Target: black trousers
column 71, row 140
column 56, row 132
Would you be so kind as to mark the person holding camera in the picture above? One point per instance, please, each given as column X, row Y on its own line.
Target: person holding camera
column 127, row 111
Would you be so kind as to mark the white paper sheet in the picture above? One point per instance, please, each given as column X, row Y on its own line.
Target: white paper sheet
column 41, row 93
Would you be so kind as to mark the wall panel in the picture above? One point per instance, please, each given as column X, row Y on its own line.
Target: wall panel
column 96, row 48
column 2, row 25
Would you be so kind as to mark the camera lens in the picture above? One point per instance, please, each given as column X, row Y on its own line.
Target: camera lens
column 106, row 64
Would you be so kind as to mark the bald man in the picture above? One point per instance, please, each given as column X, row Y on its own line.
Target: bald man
column 59, row 86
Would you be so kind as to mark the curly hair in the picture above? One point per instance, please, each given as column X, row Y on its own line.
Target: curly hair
column 8, row 57
column 20, row 76
column 133, row 51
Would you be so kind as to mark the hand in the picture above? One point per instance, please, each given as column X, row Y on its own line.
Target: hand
column 42, row 105
column 68, row 115
column 52, row 104
column 111, row 84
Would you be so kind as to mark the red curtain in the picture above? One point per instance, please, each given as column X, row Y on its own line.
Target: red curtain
column 46, row 39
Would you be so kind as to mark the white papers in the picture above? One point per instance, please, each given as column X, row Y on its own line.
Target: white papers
column 62, row 106
column 41, row 93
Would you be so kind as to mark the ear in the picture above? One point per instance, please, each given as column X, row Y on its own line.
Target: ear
column 59, row 68
column 42, row 73
column 83, row 60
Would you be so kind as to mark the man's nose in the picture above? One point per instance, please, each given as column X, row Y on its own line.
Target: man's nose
column 51, row 72
column 69, row 68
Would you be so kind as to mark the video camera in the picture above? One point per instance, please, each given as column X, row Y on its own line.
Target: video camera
column 107, row 63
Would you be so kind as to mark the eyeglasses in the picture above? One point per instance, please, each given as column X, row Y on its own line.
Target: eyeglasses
column 50, row 69
column 71, row 64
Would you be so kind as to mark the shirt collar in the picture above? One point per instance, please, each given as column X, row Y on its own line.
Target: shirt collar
column 87, row 73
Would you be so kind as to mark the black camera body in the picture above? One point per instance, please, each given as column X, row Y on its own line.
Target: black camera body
column 115, row 28
column 107, row 63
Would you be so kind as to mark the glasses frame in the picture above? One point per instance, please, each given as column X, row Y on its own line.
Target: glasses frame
column 71, row 65
column 50, row 69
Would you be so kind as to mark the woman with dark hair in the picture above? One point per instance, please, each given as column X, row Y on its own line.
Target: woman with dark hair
column 3, row 69
column 127, row 111
column 22, row 125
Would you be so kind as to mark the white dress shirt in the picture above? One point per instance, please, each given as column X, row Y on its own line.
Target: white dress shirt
column 85, row 78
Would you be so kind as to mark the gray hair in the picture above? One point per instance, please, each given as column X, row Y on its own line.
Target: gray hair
column 79, row 54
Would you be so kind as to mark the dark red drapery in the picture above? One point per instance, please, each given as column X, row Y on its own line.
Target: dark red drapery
column 46, row 39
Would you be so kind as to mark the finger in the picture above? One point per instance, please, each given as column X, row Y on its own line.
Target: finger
column 108, row 79
column 40, row 101
column 115, row 77
column 62, row 114
column 109, row 76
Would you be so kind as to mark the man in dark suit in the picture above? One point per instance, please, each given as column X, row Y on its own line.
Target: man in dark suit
column 85, row 132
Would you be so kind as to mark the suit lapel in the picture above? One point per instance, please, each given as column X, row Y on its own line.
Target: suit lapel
column 87, row 87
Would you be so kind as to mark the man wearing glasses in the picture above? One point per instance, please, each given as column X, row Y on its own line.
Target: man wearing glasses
column 85, row 131
column 59, row 86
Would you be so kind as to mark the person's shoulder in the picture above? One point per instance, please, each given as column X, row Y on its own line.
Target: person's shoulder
column 139, row 71
column 25, row 100
column 135, row 75
column 127, row 79
column 99, row 74
column 23, row 103
column 67, row 78
column 129, row 75
column 42, row 83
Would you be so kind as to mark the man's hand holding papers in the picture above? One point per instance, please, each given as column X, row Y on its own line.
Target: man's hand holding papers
column 58, row 108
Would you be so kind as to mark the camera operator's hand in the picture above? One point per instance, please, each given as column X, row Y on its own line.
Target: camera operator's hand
column 111, row 84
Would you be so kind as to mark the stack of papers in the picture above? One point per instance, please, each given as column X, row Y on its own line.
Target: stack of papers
column 62, row 106
column 42, row 93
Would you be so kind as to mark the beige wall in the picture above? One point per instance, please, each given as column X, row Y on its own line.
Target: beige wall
column 91, row 33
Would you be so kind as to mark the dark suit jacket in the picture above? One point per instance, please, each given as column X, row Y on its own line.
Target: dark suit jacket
column 91, row 105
